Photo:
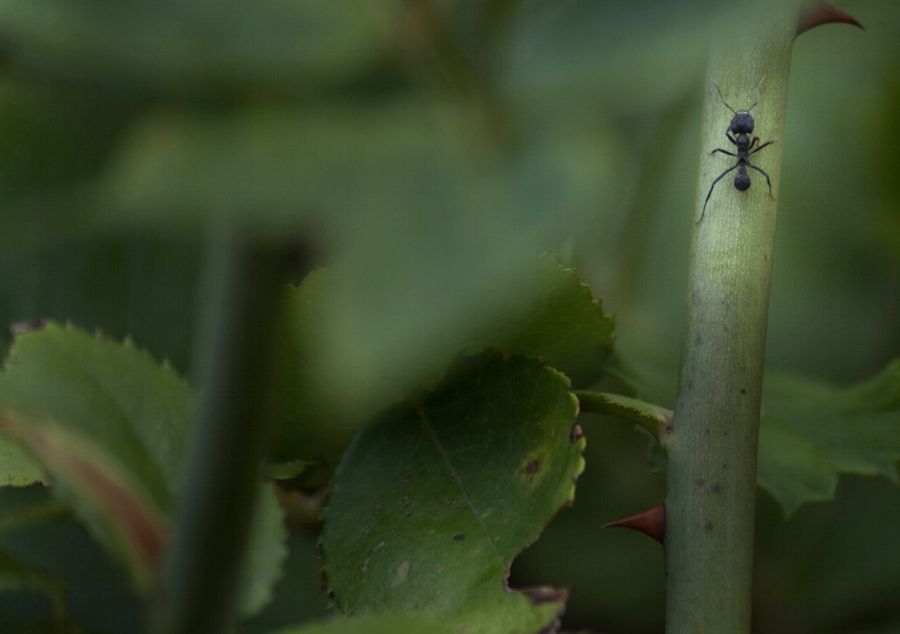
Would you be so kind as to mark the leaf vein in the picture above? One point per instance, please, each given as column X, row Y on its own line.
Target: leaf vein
column 429, row 429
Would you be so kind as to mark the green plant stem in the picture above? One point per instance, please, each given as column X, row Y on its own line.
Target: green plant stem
column 711, row 482
column 222, row 474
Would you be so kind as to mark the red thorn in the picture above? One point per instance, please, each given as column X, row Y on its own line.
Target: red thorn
column 818, row 12
column 651, row 523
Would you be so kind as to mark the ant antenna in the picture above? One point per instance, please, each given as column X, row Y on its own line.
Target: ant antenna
column 758, row 86
column 723, row 98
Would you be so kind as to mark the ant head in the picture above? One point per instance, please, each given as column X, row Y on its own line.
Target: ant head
column 742, row 122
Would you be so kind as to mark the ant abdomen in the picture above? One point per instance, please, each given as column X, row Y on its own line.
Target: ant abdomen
column 742, row 181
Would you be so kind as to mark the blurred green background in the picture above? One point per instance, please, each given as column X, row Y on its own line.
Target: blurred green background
column 423, row 149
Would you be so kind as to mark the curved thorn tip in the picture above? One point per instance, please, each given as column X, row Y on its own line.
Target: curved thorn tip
column 819, row 12
column 651, row 523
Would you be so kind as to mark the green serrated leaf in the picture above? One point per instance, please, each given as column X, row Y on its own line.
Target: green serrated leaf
column 558, row 321
column 374, row 624
column 548, row 313
column 298, row 594
column 812, row 432
column 109, row 425
column 113, row 393
column 433, row 501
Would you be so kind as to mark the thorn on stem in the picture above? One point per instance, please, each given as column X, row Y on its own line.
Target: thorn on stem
column 819, row 12
column 651, row 523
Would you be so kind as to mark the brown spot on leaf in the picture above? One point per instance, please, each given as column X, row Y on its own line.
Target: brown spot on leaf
column 546, row 594
column 532, row 467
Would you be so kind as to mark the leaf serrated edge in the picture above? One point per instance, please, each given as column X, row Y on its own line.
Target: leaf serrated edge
column 589, row 293
column 51, row 326
column 543, row 592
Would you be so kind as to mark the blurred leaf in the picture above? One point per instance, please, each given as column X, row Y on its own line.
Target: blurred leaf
column 266, row 553
column 578, row 53
column 113, row 395
column 374, row 624
column 19, row 576
column 557, row 320
column 186, row 45
column 40, row 532
column 812, row 432
column 358, row 172
column 109, row 424
column 103, row 493
column 17, row 468
column 273, row 169
column 433, row 501
column 299, row 596
column 549, row 313
column 405, row 197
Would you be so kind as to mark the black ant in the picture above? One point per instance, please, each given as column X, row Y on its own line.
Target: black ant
column 741, row 127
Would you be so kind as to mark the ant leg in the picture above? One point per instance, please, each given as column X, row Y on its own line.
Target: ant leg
column 731, row 138
column 709, row 193
column 718, row 149
column 753, row 142
column 762, row 146
column 763, row 172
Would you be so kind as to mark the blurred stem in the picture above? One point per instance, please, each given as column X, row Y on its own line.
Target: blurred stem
column 711, row 481
column 221, row 478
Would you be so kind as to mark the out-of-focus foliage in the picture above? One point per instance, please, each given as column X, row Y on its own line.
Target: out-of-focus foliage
column 553, row 316
column 812, row 433
column 40, row 533
column 423, row 146
column 109, row 425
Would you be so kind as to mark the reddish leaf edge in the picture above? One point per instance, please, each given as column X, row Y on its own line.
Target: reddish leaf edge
column 141, row 527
